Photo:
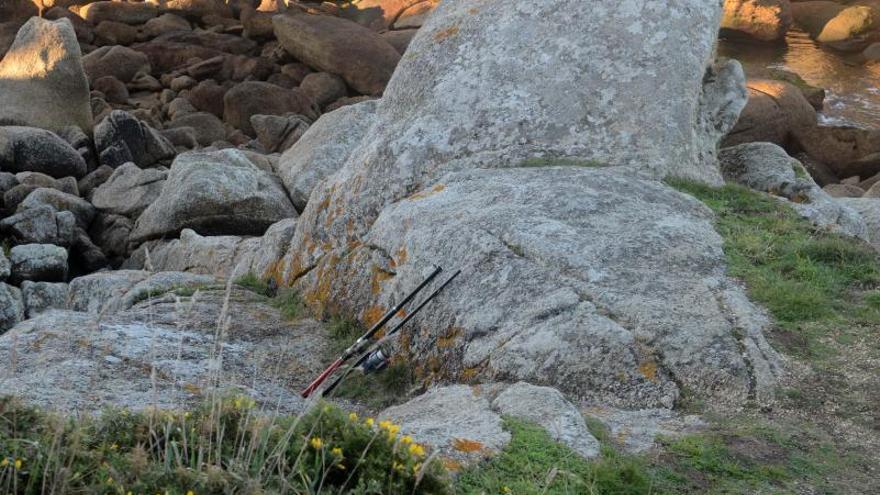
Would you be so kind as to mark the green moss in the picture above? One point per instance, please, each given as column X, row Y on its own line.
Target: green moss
column 538, row 162
column 223, row 447
column 812, row 282
column 254, row 283
column 289, row 303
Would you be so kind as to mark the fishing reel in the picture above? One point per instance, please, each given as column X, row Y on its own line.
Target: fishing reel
column 375, row 362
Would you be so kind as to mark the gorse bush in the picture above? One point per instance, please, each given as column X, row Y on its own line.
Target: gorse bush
column 224, row 447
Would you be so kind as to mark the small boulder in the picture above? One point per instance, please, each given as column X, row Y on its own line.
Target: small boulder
column 118, row 61
column 260, row 98
column 42, row 83
column 339, row 46
column 774, row 111
column 60, row 201
column 208, row 128
column 323, row 87
column 279, row 132
column 208, row 96
column 40, row 225
column 842, row 27
column 165, row 23
column 122, row 138
column 93, row 179
column 844, row 191
column 5, row 266
column 11, row 307
column 38, row 262
column 125, row 12
column 41, row 296
column 110, row 233
column 114, row 90
column 28, row 149
column 215, row 193
column 129, row 191
column 323, row 149
column 115, row 33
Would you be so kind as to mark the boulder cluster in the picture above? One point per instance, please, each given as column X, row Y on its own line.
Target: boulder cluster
column 844, row 25
column 125, row 123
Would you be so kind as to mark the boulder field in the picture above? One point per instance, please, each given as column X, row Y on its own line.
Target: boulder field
column 154, row 153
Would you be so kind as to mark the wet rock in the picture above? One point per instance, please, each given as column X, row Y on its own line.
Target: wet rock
column 11, row 307
column 323, row 149
column 260, row 98
column 764, row 20
column 27, row 149
column 215, row 193
column 41, row 296
column 129, row 191
column 38, row 262
column 42, row 83
column 839, row 26
column 81, row 209
column 122, row 138
column 338, row 46
column 118, row 61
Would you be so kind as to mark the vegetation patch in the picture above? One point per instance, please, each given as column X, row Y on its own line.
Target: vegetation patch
column 538, row 162
column 224, row 447
column 254, row 283
column 289, row 303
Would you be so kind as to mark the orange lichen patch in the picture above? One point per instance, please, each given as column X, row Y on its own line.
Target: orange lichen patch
column 275, row 271
column 378, row 278
column 192, row 389
column 424, row 194
column 648, row 369
column 373, row 315
column 467, row 446
column 451, row 464
column 448, row 340
column 470, row 373
column 325, row 203
column 446, row 33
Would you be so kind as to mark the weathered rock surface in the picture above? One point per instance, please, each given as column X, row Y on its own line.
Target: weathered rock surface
column 324, row 149
column 775, row 110
column 129, row 191
column 764, row 20
column 93, row 293
column 847, row 151
column 122, row 138
column 208, row 128
column 767, row 168
column 277, row 133
column 38, row 262
column 547, row 407
column 577, row 256
column 125, row 12
column 215, row 193
column 11, row 307
column 28, row 149
column 339, row 46
column 42, row 296
column 638, row 431
column 869, row 209
column 161, row 354
column 42, row 83
column 5, row 266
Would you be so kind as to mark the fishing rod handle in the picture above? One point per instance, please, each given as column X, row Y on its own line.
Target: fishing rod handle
column 321, row 378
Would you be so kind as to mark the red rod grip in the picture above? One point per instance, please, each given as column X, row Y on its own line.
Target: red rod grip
column 321, row 378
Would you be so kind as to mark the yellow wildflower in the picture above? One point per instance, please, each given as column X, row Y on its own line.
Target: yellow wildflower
column 18, row 463
column 393, row 429
column 336, row 451
column 417, row 467
column 417, row 450
column 316, row 443
column 406, row 440
column 190, row 492
column 114, row 446
column 506, row 489
column 397, row 466
column 385, row 424
column 4, row 462
column 369, row 422
column 109, row 481
column 352, row 417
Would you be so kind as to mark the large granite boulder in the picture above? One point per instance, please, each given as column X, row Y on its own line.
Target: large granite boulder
column 339, row 46
column 42, row 296
column 324, row 149
column 82, row 210
column 38, row 262
column 129, row 191
column 42, row 83
column 573, row 275
column 763, row 20
column 215, row 193
column 40, row 224
column 28, row 149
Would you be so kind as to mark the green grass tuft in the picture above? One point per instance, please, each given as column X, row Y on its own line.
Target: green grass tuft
column 254, row 283
column 538, row 162
column 289, row 303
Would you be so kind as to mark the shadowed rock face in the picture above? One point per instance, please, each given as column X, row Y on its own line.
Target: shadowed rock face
column 603, row 283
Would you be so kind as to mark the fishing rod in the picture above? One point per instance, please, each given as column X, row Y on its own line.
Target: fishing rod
column 363, row 340
column 375, row 359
